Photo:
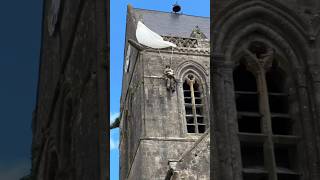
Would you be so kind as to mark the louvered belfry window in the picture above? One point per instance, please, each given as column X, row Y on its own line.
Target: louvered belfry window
column 193, row 105
column 268, row 142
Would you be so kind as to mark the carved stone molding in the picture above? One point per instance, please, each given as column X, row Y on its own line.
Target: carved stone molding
column 259, row 57
column 218, row 62
column 268, row 12
column 315, row 73
column 196, row 51
column 197, row 33
column 182, row 42
column 183, row 50
column 256, row 65
column 300, row 77
column 199, row 70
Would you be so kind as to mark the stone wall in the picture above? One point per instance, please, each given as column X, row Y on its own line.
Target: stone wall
column 167, row 117
column 151, row 160
column 67, row 134
column 153, row 129
column 194, row 163
column 290, row 28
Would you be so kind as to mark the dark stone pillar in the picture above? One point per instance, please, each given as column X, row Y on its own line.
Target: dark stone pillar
column 222, row 123
column 308, row 133
column 74, row 64
column 315, row 81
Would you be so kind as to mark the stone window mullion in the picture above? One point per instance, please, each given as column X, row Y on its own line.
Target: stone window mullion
column 266, row 123
column 258, row 68
column 193, row 102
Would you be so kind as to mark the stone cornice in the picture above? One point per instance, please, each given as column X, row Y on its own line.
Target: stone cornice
column 185, row 51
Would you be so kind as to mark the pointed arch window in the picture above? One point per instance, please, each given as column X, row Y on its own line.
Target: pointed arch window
column 194, row 106
column 268, row 143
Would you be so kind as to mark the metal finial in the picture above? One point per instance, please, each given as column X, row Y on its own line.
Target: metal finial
column 176, row 8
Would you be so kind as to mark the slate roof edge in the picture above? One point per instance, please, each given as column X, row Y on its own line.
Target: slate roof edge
column 165, row 12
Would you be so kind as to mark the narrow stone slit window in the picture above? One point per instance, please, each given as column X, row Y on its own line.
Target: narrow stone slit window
column 193, row 105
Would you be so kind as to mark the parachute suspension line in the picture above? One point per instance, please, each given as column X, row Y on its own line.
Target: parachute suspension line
column 161, row 55
column 171, row 56
column 162, row 58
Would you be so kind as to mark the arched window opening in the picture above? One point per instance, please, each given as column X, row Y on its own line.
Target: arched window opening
column 193, row 105
column 267, row 145
column 246, row 99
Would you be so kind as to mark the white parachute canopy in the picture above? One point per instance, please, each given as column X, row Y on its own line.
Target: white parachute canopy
column 151, row 39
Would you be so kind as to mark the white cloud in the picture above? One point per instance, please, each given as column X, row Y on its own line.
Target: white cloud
column 15, row 171
column 113, row 116
column 114, row 144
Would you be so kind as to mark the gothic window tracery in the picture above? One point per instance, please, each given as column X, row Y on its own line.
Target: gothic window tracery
column 193, row 105
column 267, row 140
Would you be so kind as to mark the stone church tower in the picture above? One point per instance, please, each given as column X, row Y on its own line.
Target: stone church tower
column 265, row 90
column 165, row 119
column 70, row 117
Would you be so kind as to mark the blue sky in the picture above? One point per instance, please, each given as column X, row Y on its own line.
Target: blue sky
column 117, row 33
column 20, row 33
